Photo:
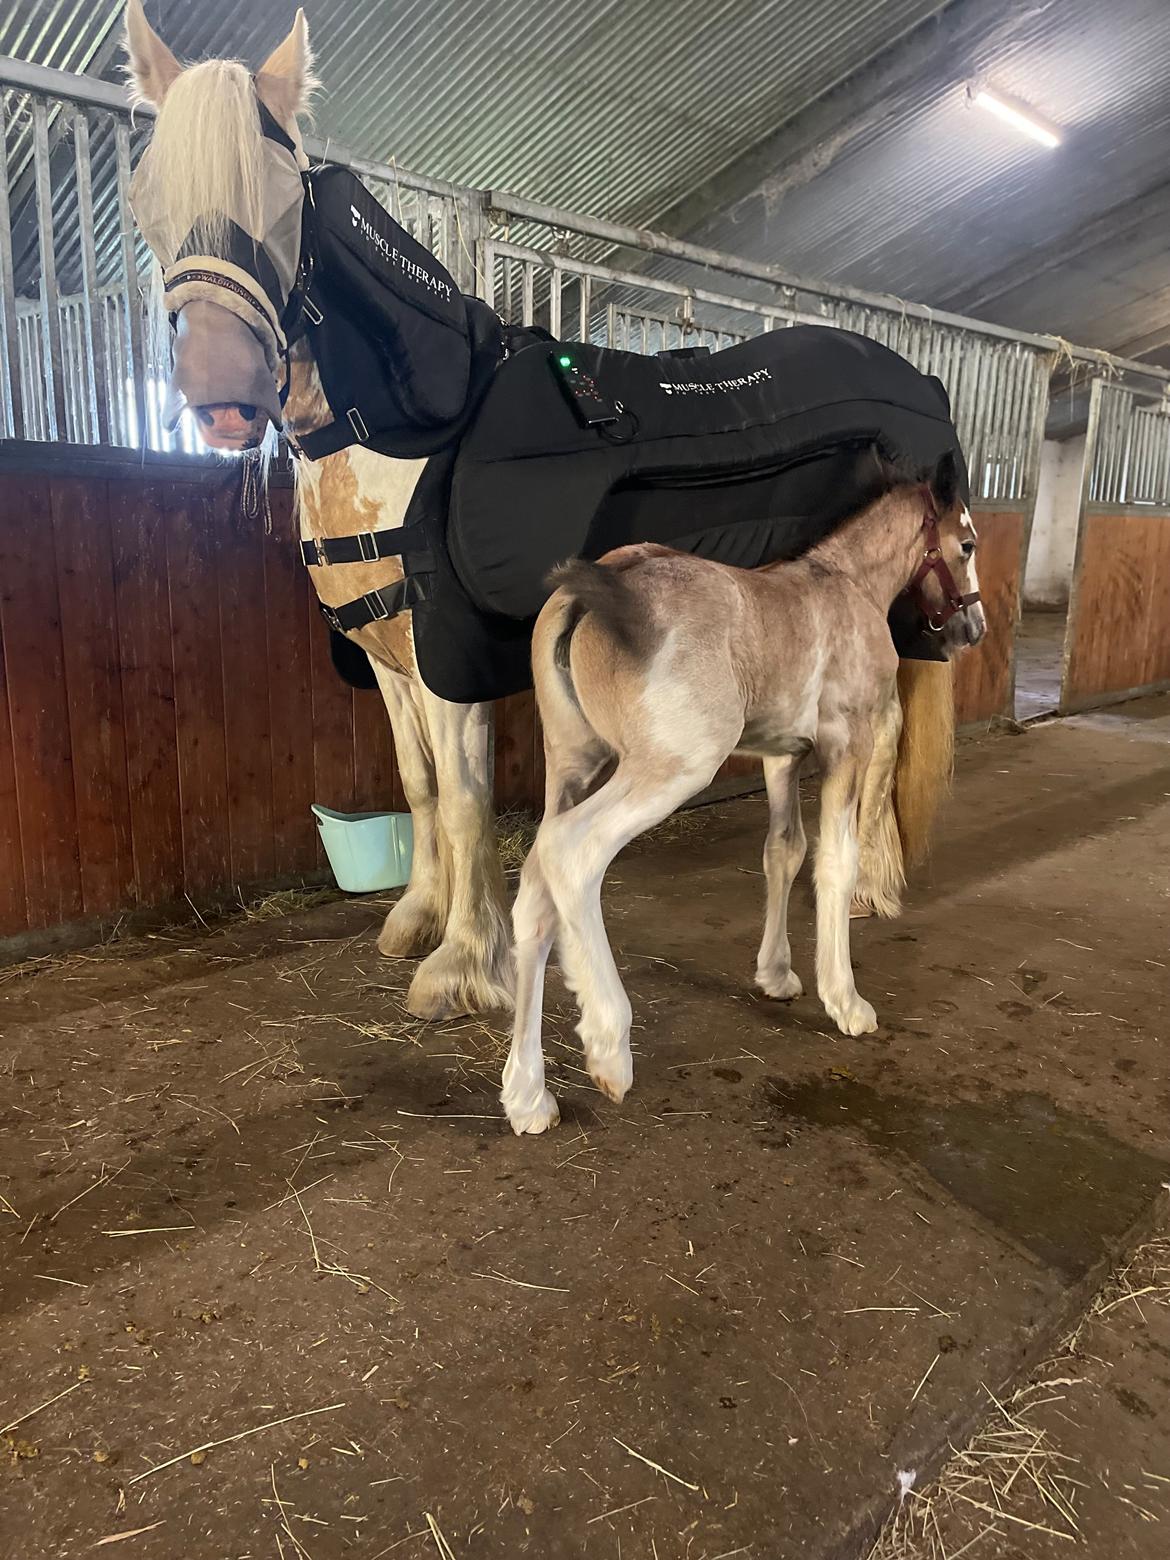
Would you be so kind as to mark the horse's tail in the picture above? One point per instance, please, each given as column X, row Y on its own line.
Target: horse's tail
column 926, row 752
column 601, row 590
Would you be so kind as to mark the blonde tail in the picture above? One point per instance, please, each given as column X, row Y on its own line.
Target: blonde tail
column 926, row 752
column 906, row 780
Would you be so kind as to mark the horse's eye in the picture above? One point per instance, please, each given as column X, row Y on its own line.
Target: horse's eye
column 967, row 549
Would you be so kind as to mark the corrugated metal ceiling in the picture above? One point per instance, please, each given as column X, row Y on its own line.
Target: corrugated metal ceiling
column 624, row 107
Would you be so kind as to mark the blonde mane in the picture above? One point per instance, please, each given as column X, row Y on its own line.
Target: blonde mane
column 206, row 154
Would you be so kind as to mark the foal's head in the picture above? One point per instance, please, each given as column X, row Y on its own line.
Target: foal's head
column 945, row 583
column 218, row 197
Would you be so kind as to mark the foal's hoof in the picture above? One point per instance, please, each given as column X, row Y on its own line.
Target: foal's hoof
column 785, row 988
column 855, row 1016
column 537, row 1118
column 613, row 1076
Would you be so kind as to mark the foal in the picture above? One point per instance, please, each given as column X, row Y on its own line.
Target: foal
column 651, row 668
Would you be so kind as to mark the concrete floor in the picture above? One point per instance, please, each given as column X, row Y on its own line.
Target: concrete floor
column 1039, row 663
column 715, row 1321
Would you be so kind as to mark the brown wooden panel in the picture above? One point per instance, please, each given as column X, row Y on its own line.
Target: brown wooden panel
column 193, row 580
column 333, row 739
column 1103, row 655
column 375, row 771
column 85, row 582
column 290, row 692
column 13, row 913
column 1158, row 616
column 515, row 751
column 30, row 621
column 983, row 676
column 1119, row 626
column 243, row 635
column 138, row 531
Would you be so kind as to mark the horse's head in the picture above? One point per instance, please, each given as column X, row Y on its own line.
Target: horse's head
column 218, row 196
column 945, row 586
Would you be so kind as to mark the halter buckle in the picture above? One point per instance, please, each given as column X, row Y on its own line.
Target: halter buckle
column 311, row 312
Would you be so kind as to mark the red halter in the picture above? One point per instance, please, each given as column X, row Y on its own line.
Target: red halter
column 933, row 562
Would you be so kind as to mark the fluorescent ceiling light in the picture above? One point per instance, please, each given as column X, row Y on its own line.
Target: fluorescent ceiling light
column 1014, row 113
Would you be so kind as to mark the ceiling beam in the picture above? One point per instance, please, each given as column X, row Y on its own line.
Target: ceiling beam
column 1140, row 213
column 953, row 45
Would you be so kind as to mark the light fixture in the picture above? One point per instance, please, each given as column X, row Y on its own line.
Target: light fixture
column 1014, row 113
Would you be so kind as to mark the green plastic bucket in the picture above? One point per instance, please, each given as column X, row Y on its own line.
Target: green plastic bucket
column 367, row 851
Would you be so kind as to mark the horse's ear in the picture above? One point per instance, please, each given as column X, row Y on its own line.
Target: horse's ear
column 152, row 66
column 945, row 482
column 285, row 81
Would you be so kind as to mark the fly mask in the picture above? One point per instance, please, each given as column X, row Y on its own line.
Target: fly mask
column 229, row 279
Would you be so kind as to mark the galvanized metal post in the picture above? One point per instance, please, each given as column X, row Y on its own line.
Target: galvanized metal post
column 1092, row 432
column 12, row 420
column 50, row 302
column 99, row 411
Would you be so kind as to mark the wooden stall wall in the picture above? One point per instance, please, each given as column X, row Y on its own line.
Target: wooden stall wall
column 168, row 708
column 985, row 676
column 1118, row 639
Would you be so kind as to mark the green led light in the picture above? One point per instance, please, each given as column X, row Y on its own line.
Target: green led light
column 565, row 362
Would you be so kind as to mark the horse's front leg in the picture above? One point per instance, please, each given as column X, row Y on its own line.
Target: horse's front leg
column 416, row 924
column 472, row 969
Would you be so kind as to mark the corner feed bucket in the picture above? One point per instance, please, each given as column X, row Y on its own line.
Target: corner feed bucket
column 367, row 851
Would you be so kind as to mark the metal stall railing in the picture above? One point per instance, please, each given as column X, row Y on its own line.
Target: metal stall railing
column 77, row 364
column 1117, row 639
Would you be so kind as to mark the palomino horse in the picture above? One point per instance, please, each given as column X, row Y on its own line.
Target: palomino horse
column 208, row 157
column 651, row 667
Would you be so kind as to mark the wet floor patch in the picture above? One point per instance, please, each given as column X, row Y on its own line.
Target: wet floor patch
column 1063, row 1188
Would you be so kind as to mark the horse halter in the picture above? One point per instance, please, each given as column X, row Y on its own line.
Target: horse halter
column 933, row 562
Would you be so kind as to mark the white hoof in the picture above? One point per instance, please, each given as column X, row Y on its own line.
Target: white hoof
column 613, row 1074
column 853, row 1016
column 785, row 988
column 535, row 1118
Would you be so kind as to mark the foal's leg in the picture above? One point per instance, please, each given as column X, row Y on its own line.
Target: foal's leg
column 577, row 849
column 783, row 857
column 836, row 879
column 881, row 873
column 569, row 773
column 471, row 971
column 529, row 1105
column 415, row 925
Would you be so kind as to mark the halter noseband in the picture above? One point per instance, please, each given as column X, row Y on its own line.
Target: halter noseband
column 933, row 562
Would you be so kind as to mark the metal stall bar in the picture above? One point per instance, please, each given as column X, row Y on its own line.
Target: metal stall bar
column 12, row 420
column 91, row 304
column 50, row 303
column 134, row 312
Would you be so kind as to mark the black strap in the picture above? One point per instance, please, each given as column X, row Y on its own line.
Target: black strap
column 367, row 547
column 377, row 605
column 334, row 436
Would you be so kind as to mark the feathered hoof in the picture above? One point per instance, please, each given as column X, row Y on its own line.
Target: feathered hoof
column 450, row 983
column 413, row 928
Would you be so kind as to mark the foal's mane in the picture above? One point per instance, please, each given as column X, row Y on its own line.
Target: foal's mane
column 206, row 153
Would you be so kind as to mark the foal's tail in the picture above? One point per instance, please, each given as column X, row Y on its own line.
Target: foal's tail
column 602, row 590
column 926, row 752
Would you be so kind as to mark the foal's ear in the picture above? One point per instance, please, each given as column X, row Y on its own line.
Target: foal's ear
column 945, row 483
column 285, row 81
column 152, row 67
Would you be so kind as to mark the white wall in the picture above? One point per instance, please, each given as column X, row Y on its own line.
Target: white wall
column 1048, row 574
